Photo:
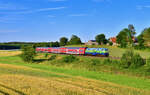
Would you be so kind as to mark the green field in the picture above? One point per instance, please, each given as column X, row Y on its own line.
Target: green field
column 57, row 78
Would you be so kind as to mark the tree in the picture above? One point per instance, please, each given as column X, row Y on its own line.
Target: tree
column 101, row 39
column 75, row 40
column 54, row 44
column 146, row 37
column 28, row 53
column 122, row 38
column 131, row 29
column 131, row 32
column 41, row 44
column 140, row 41
column 148, row 62
column 63, row 41
column 110, row 43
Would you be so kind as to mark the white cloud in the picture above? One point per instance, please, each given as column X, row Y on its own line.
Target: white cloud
column 52, row 22
column 35, row 11
column 8, row 31
column 100, row 0
column 14, row 16
column 10, row 19
column 77, row 15
column 140, row 7
column 51, row 16
column 148, row 6
column 49, row 9
column 12, row 12
column 57, row 0
column 10, row 6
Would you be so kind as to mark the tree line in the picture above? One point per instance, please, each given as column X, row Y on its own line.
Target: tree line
column 124, row 39
column 74, row 40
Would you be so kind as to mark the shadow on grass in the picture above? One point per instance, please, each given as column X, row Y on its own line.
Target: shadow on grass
column 16, row 91
column 53, row 57
column 5, row 93
column 39, row 60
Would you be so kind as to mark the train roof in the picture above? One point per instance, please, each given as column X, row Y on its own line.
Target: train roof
column 63, row 47
column 97, row 48
column 74, row 48
column 42, row 47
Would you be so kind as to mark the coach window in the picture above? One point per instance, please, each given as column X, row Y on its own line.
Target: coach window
column 81, row 50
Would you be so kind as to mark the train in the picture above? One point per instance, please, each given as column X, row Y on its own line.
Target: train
column 75, row 51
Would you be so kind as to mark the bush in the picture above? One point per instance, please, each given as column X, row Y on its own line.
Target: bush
column 148, row 62
column 148, row 65
column 126, row 58
column 140, row 47
column 53, row 57
column 107, row 61
column 93, row 65
column 28, row 53
column 69, row 58
column 137, row 61
column 123, row 44
column 131, row 60
column 110, row 43
column 46, row 55
column 112, row 62
column 95, row 62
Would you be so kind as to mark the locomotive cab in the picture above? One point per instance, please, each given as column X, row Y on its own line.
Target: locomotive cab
column 97, row 52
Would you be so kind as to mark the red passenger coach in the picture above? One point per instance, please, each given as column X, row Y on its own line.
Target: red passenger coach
column 58, row 50
column 39, row 49
column 54, row 50
column 49, row 50
column 62, row 50
column 42, row 49
column 75, row 50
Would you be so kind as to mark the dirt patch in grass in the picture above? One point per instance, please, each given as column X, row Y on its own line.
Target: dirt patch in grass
column 9, row 53
column 13, row 66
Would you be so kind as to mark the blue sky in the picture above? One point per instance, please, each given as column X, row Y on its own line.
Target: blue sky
column 48, row 20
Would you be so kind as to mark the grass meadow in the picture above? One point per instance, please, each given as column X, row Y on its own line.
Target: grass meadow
column 55, row 77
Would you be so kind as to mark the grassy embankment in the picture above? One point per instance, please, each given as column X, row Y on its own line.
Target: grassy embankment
column 48, row 78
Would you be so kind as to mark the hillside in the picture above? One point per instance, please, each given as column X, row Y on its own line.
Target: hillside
column 19, row 78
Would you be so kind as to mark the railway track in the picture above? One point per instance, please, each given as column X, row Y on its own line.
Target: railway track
column 111, row 57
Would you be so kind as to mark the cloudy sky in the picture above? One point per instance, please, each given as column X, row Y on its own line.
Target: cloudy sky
column 48, row 20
